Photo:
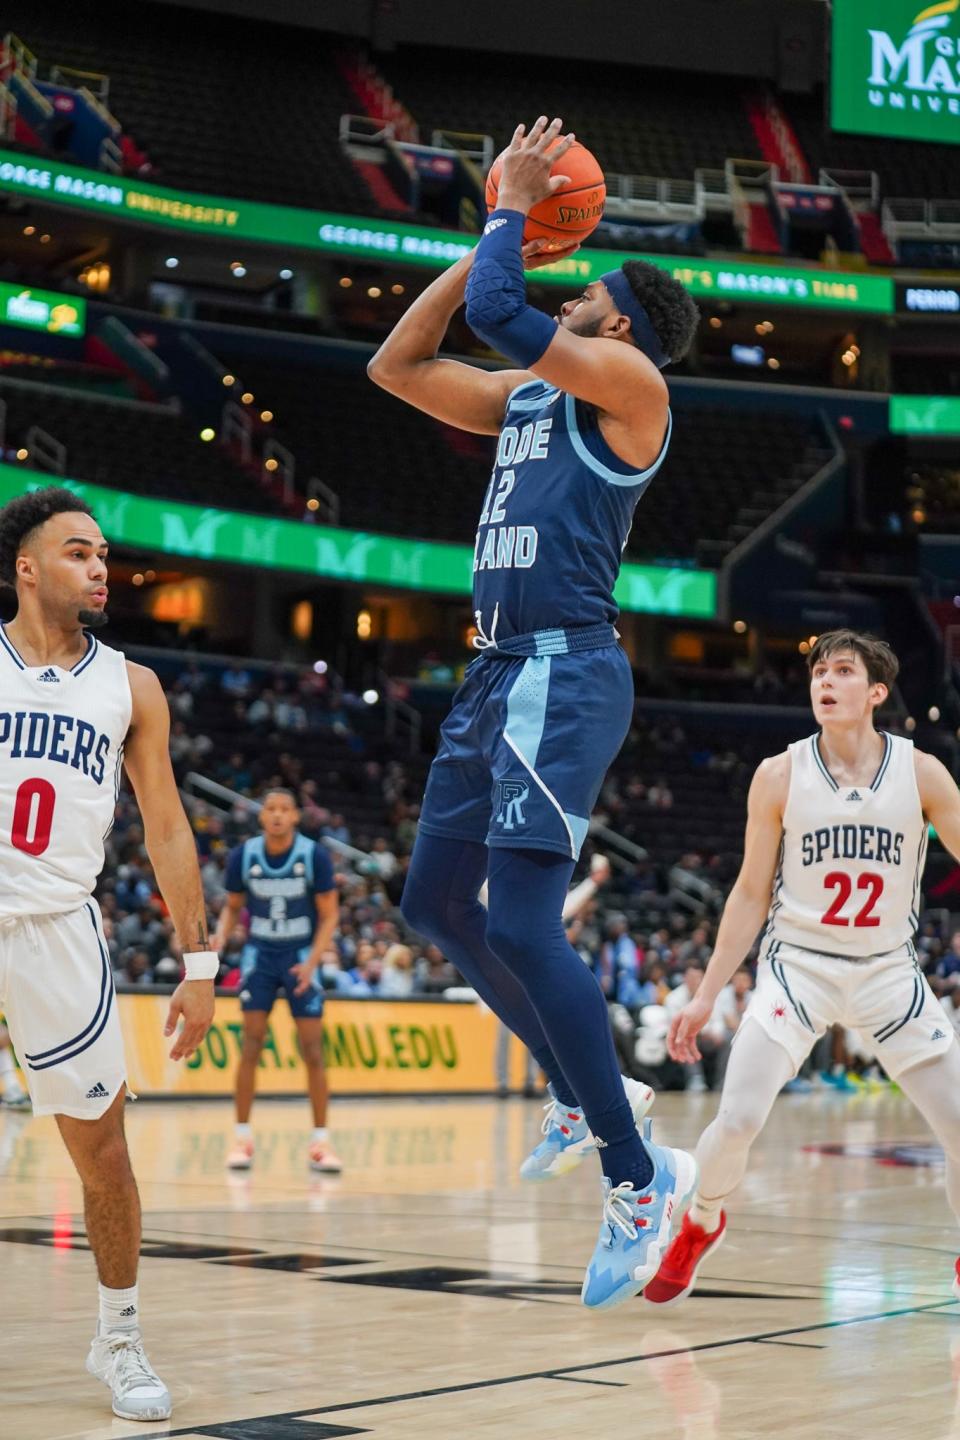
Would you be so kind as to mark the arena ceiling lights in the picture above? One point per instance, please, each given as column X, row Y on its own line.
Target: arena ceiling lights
column 359, row 238
column 165, row 527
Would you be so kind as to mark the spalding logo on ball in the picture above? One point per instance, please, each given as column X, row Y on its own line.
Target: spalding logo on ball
column 569, row 215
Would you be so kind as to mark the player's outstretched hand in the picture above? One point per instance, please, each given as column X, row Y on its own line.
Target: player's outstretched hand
column 192, row 1002
column 535, row 255
column 525, row 176
column 304, row 974
column 684, row 1029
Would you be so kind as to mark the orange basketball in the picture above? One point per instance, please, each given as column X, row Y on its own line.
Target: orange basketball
column 572, row 213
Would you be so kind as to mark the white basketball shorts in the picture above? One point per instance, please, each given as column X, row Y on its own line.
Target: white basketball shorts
column 887, row 1001
column 56, row 992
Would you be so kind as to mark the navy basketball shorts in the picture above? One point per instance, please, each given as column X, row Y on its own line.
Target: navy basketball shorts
column 266, row 973
column 525, row 748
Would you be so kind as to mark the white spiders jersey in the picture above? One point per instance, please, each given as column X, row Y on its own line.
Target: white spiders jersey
column 61, row 751
column 852, row 857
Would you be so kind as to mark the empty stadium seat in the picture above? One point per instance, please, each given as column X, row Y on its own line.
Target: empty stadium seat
column 131, row 446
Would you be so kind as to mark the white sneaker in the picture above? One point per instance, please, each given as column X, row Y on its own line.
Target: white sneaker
column 119, row 1360
column 16, row 1098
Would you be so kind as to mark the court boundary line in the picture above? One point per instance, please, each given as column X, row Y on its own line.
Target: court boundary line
column 567, row 1372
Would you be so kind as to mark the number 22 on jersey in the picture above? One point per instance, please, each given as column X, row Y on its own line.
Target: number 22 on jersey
column 842, row 883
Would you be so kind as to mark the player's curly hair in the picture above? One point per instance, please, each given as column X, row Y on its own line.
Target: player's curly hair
column 21, row 516
column 673, row 314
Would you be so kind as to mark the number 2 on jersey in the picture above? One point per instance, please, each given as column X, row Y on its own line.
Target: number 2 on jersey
column 840, row 881
column 33, row 816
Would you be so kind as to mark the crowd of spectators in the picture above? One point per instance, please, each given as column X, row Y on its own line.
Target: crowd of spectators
column 647, row 933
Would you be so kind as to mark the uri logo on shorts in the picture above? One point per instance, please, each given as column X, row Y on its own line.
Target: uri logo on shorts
column 512, row 795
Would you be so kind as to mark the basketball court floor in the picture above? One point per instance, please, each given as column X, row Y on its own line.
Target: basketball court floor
column 427, row 1293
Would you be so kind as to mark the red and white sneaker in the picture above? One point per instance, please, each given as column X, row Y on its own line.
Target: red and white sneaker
column 681, row 1262
column 956, row 1282
column 324, row 1160
column 241, row 1156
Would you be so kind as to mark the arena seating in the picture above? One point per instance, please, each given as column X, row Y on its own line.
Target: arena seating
column 130, row 446
column 636, row 122
column 936, row 489
column 400, row 472
column 334, row 759
column 905, row 168
column 264, row 126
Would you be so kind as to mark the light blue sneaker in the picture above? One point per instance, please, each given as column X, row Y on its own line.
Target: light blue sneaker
column 566, row 1138
column 637, row 1228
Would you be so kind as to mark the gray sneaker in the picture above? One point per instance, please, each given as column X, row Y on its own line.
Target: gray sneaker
column 119, row 1360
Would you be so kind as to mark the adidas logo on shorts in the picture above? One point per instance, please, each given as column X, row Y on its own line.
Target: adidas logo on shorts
column 98, row 1092
column 50, row 676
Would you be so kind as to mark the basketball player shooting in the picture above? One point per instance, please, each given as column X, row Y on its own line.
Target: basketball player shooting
column 584, row 424
column 72, row 711
column 833, row 860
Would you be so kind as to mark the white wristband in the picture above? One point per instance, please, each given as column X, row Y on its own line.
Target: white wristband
column 201, row 964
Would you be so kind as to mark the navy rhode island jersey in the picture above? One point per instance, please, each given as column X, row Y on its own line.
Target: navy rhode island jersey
column 555, row 519
column 280, row 890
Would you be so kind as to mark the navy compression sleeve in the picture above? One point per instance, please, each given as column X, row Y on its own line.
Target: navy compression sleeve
column 497, row 309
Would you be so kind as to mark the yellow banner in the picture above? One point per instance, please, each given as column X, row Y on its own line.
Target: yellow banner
column 371, row 1046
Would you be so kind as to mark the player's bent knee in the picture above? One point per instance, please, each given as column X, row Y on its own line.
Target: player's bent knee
column 505, row 943
column 741, row 1122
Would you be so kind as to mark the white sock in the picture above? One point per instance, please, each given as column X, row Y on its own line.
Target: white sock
column 706, row 1213
column 8, row 1070
column 244, row 1132
column 320, row 1135
column 119, row 1309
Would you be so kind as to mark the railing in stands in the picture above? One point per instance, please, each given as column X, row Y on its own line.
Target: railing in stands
column 906, row 219
column 473, row 146
column 278, row 464
column 93, row 81
column 46, row 451
column 649, row 197
column 625, row 852
column 236, row 428
column 399, row 717
column 16, row 56
column 858, row 185
column 328, row 501
column 8, row 112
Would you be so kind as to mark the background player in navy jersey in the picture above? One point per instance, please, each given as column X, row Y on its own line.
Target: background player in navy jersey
column 583, row 426
column 287, row 885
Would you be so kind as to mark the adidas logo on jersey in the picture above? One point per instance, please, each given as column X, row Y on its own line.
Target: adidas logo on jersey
column 854, row 795
column 937, row 1035
column 49, row 676
column 98, row 1092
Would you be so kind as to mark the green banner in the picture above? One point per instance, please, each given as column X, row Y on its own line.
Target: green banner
column 364, row 239
column 925, row 414
column 894, row 69
column 168, row 528
column 42, row 310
